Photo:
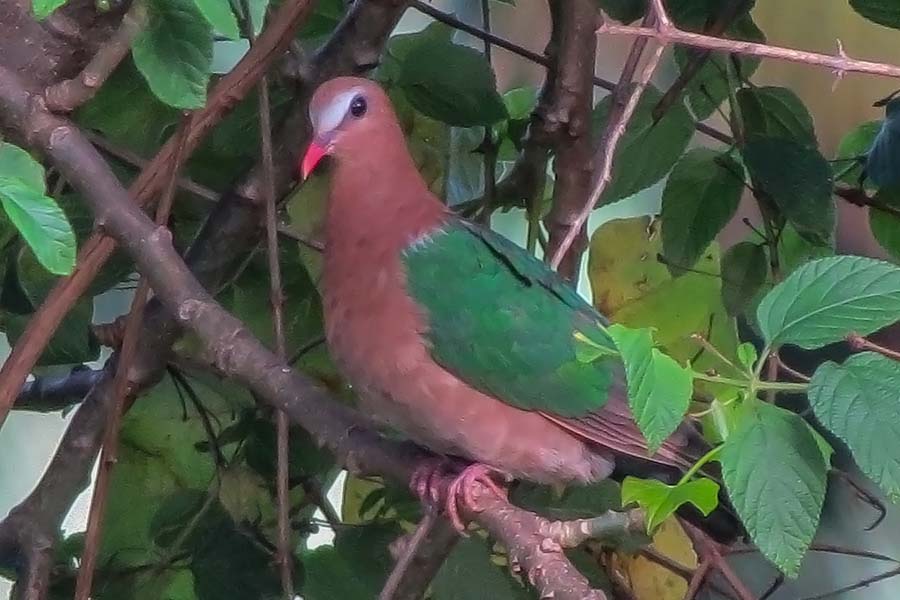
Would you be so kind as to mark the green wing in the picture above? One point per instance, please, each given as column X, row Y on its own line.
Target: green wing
column 505, row 323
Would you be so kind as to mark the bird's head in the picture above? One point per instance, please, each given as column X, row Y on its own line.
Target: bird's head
column 347, row 114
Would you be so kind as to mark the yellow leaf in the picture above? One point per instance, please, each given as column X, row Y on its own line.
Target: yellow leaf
column 650, row 581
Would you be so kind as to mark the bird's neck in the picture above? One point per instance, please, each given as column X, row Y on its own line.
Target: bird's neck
column 380, row 203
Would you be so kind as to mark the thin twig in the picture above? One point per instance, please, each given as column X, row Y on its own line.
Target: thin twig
column 859, row 343
column 402, row 565
column 67, row 95
column 285, row 552
column 856, row 586
column 121, row 385
column 669, row 34
column 615, row 130
column 98, row 248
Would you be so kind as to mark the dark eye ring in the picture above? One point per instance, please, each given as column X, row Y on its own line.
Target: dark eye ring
column 358, row 107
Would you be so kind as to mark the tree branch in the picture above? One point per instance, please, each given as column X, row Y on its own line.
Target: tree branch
column 669, row 34
column 237, row 353
column 98, row 248
column 28, row 534
column 573, row 100
column 615, row 129
column 69, row 94
column 425, row 562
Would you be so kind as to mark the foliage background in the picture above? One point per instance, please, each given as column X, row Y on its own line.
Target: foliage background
column 811, row 24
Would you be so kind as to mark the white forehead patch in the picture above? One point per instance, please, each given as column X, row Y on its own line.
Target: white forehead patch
column 331, row 115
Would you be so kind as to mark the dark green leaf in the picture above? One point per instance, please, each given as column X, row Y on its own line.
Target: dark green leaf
column 43, row 8
column 330, row 576
column 659, row 389
column 798, row 179
column 323, row 20
column 174, row 52
column 649, row 149
column 883, row 12
column 451, row 83
column 886, row 229
column 660, row 501
column 624, row 11
column 776, row 112
column 41, row 223
column 744, row 270
column 710, row 86
column 826, row 299
column 775, row 476
column 701, row 195
column 72, row 343
column 853, row 147
column 857, row 401
column 219, row 14
column 127, row 113
column 469, row 573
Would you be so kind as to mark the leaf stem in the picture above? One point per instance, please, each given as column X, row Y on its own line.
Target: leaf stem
column 708, row 457
column 753, row 384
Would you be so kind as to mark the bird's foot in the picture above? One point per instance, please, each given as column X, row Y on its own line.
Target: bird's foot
column 425, row 480
column 426, row 483
column 460, row 494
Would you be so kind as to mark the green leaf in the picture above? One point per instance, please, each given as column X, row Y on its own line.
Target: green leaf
column 710, row 86
column 857, row 401
column 775, row 476
column 701, row 195
column 17, row 163
column 649, row 149
column 744, row 270
column 885, row 225
column 798, row 179
column 660, row 501
column 469, row 573
column 219, row 14
column 826, row 299
column 71, row 344
column 451, row 83
column 41, row 223
column 624, row 11
column 776, row 112
column 174, row 53
column 43, row 8
column 747, row 356
column 659, row 389
column 883, row 12
column 854, row 145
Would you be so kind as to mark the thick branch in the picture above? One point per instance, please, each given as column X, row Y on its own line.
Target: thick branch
column 237, row 353
column 572, row 104
column 606, row 150
column 94, row 253
column 69, row 94
column 28, row 534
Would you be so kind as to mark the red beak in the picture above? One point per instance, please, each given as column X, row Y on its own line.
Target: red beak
column 313, row 155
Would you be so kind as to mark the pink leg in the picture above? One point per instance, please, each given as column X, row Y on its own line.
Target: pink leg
column 424, row 480
column 460, row 492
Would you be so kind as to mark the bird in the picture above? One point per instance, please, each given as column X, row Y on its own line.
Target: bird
column 453, row 335
column 882, row 161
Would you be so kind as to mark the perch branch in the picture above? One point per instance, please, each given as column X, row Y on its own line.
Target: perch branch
column 238, row 354
column 98, row 248
column 67, row 95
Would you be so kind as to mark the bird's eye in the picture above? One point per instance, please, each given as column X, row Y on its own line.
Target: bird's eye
column 358, row 107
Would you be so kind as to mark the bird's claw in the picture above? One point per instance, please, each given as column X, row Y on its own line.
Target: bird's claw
column 460, row 494
column 426, row 483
